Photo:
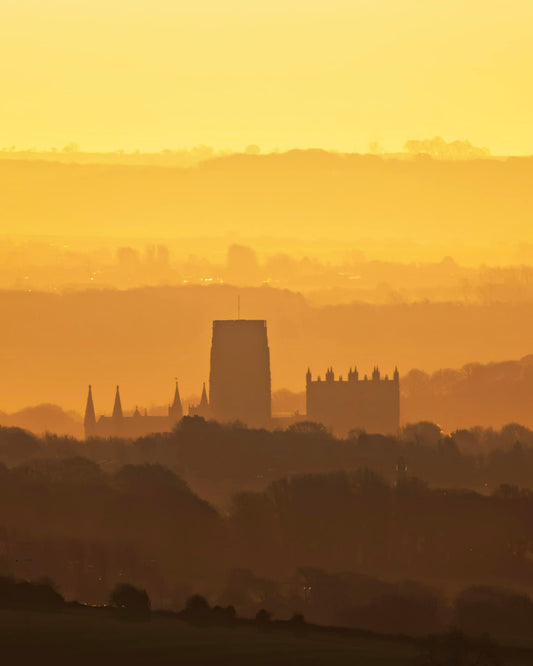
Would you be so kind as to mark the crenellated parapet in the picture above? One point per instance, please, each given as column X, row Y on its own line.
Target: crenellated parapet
column 353, row 376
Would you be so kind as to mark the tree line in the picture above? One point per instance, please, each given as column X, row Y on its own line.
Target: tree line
column 219, row 459
column 325, row 543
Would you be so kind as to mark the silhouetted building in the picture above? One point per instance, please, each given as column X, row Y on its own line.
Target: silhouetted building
column 240, row 390
column 202, row 409
column 355, row 404
column 133, row 426
column 239, row 380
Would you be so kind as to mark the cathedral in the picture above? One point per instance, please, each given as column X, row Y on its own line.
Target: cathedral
column 240, row 390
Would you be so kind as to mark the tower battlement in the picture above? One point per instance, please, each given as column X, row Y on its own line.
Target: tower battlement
column 352, row 376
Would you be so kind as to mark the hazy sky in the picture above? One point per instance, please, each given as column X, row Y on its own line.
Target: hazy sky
column 338, row 74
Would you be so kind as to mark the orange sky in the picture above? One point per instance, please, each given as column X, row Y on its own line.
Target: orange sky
column 130, row 74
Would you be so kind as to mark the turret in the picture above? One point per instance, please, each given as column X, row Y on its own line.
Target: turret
column 175, row 411
column 353, row 375
column 90, row 417
column 375, row 374
column 308, row 377
column 330, row 375
column 117, row 409
column 396, row 375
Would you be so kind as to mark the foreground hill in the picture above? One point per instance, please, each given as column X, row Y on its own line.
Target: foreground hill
column 82, row 637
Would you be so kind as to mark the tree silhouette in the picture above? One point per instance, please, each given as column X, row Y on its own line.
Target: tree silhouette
column 197, row 610
column 130, row 601
column 263, row 620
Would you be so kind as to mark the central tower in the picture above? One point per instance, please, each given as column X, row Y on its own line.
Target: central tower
column 239, row 380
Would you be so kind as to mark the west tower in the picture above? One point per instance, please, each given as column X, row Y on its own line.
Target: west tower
column 354, row 403
column 239, row 380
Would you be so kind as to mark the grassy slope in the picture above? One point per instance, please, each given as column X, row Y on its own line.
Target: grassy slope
column 89, row 637
column 94, row 637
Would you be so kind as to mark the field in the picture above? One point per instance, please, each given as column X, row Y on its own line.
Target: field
column 94, row 636
column 80, row 637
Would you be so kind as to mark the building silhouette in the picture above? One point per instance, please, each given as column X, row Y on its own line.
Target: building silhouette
column 240, row 390
column 354, row 404
column 130, row 427
column 239, row 387
column 239, row 380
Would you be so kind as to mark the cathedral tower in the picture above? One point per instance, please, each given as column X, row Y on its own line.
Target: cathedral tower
column 239, row 380
column 355, row 404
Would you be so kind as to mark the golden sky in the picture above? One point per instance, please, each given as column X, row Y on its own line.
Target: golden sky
column 152, row 74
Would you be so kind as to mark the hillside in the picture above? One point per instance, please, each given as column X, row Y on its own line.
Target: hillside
column 309, row 194
column 81, row 638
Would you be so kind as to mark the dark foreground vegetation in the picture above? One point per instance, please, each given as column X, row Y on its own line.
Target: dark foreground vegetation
column 222, row 458
column 36, row 624
column 355, row 533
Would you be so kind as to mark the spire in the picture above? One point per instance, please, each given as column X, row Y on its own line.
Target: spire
column 203, row 400
column 202, row 409
column 396, row 374
column 175, row 410
column 117, row 409
column 90, row 417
